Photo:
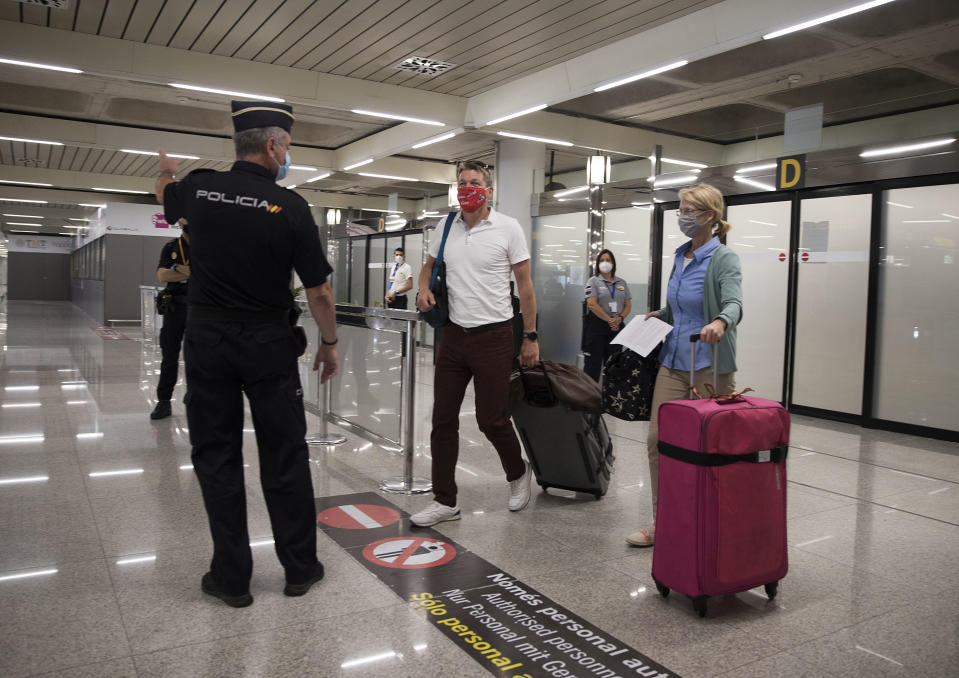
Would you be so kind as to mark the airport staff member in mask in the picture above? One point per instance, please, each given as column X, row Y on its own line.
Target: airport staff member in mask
column 247, row 235
column 174, row 270
column 401, row 281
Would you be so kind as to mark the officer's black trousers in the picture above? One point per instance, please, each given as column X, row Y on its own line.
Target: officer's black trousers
column 224, row 360
column 597, row 336
column 171, row 336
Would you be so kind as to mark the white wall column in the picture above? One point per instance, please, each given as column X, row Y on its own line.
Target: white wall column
column 519, row 164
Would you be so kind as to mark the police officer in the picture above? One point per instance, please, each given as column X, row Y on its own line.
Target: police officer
column 247, row 235
column 174, row 270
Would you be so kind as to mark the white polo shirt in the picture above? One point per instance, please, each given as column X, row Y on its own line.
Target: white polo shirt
column 479, row 264
column 399, row 274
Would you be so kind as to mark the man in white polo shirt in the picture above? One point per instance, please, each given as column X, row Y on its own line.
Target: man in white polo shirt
column 400, row 282
column 483, row 249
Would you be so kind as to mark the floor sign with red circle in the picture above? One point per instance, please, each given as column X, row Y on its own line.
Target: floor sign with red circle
column 359, row 516
column 409, row 553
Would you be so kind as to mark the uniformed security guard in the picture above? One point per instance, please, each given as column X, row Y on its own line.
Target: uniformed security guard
column 247, row 234
column 174, row 270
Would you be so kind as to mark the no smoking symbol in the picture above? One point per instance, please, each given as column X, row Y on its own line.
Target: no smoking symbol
column 409, row 553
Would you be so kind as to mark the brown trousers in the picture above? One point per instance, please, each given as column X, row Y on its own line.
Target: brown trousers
column 674, row 385
column 487, row 359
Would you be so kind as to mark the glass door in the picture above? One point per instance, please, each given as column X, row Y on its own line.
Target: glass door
column 358, row 271
column 377, row 272
column 831, row 302
column 760, row 236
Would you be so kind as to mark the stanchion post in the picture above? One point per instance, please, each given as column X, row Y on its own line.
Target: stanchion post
column 408, row 483
column 324, row 437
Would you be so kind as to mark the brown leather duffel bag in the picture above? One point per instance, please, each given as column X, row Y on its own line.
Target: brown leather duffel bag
column 566, row 384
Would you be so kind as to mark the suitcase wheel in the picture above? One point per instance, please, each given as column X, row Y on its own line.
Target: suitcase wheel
column 772, row 589
column 545, row 487
column 663, row 590
column 699, row 605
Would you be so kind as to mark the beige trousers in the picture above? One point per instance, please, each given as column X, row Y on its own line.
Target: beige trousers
column 674, row 385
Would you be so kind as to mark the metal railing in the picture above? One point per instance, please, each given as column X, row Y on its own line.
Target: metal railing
column 372, row 341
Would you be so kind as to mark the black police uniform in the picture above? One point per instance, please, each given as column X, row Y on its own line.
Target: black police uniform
column 246, row 235
column 176, row 251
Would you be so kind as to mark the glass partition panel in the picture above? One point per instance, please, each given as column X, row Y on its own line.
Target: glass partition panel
column 368, row 388
column 672, row 238
column 358, row 271
column 378, row 270
column 626, row 234
column 916, row 368
column 558, row 253
column 760, row 236
column 831, row 298
column 338, row 251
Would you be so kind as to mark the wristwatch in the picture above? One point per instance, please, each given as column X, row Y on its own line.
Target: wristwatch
column 532, row 335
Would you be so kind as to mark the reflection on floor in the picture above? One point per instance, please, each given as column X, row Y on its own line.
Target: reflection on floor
column 104, row 540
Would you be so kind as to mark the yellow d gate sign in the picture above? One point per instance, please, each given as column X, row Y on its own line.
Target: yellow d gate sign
column 791, row 172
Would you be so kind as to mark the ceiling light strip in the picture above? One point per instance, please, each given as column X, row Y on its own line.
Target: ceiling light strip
column 571, row 191
column 120, row 190
column 155, row 153
column 828, row 17
column 46, row 67
column 31, row 141
column 754, row 183
column 675, row 181
column 893, row 150
column 386, row 176
column 543, row 140
column 435, row 140
column 318, row 177
column 226, row 92
column 684, row 163
column 36, row 202
column 404, row 118
column 358, row 164
column 756, row 168
column 640, row 76
column 525, row 111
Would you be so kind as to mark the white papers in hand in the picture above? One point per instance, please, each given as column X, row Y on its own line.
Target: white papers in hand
column 643, row 336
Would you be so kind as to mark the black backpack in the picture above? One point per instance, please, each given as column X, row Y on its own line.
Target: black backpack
column 628, row 382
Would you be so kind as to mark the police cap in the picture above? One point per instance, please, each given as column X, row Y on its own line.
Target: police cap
column 250, row 114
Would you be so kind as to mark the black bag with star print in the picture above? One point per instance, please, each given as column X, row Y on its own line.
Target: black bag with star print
column 628, row 382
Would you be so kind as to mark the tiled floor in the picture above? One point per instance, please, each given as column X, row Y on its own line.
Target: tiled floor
column 873, row 587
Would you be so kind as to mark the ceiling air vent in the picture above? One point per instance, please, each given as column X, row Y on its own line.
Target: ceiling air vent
column 424, row 66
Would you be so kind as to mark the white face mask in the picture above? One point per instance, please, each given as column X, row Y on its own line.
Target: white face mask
column 398, row 258
column 605, row 266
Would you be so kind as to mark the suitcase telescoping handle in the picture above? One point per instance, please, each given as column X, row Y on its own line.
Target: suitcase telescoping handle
column 693, row 339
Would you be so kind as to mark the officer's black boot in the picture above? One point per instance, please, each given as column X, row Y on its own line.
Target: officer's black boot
column 162, row 410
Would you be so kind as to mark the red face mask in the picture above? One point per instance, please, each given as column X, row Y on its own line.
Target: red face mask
column 471, row 198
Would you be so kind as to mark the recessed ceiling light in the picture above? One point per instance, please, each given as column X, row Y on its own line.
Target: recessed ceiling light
column 405, row 118
column 25, row 232
column 317, row 177
column 685, row 163
column 755, row 184
column 87, row 204
column 543, row 140
column 359, row 164
column 386, row 176
column 893, row 150
column 227, row 92
column 435, row 140
column 23, row 183
column 37, row 202
column 24, row 216
column 640, row 76
column 75, row 219
column 31, row 141
column 21, row 223
column 828, row 17
column 756, row 168
column 305, row 168
column 155, row 153
column 525, row 111
column 674, row 181
column 32, row 64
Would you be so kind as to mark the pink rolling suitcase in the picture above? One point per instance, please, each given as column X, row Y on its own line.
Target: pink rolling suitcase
column 721, row 509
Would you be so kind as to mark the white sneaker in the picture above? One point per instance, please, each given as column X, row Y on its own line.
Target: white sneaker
column 435, row 512
column 519, row 490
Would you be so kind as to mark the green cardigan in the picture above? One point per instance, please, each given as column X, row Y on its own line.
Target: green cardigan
column 722, row 298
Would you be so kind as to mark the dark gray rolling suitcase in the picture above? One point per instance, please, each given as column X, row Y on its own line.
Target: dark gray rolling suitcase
column 567, row 449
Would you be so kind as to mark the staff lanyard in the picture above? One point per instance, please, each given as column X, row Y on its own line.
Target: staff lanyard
column 611, row 288
column 186, row 262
